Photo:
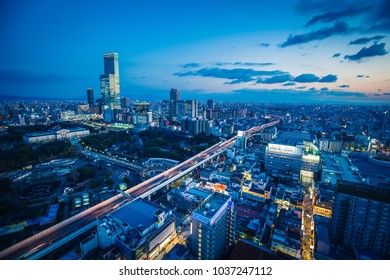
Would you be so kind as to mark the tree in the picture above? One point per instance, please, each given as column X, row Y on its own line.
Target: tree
column 94, row 183
column 128, row 181
column 109, row 182
column 5, row 185
column 85, row 172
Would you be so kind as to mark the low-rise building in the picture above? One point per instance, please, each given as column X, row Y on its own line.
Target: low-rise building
column 289, row 197
column 53, row 135
column 286, row 236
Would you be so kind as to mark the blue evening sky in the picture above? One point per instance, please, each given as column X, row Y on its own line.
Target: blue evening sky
column 292, row 50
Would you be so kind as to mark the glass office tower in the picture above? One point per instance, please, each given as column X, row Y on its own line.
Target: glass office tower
column 109, row 82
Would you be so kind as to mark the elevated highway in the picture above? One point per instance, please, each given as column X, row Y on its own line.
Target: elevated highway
column 113, row 160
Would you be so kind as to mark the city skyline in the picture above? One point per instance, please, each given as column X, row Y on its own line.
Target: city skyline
column 219, row 181
column 284, row 51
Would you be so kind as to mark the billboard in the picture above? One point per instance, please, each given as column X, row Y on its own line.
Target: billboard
column 285, row 149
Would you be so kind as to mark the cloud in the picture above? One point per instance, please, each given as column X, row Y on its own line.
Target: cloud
column 362, row 76
column 253, row 63
column 324, row 89
column 374, row 50
column 336, row 55
column 344, row 86
column 328, row 79
column 312, row 88
column 301, row 87
column 379, row 19
column 244, row 75
column 311, row 78
column 288, row 84
column 237, row 81
column 239, row 63
column 237, row 75
column 264, row 45
column 343, row 93
column 301, row 96
column 365, row 40
column 191, row 65
column 306, row 78
column 275, row 79
column 377, row 94
column 333, row 16
column 386, row 93
column 323, row 33
column 374, row 18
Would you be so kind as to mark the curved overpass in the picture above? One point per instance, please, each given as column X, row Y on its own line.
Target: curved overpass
column 28, row 248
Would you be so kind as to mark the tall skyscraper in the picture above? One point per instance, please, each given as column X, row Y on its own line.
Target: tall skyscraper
column 186, row 108
column 109, row 82
column 174, row 94
column 90, row 97
column 213, row 227
column 361, row 217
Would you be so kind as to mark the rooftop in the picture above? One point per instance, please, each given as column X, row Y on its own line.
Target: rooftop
column 336, row 167
column 200, row 193
column 138, row 212
column 368, row 169
column 377, row 193
column 50, row 132
column 210, row 207
column 293, row 137
column 246, row 250
column 247, row 212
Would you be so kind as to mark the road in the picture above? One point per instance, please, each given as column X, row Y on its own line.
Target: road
column 307, row 240
column 41, row 240
column 113, row 160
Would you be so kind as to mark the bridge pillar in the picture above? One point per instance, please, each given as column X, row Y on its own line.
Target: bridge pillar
column 149, row 197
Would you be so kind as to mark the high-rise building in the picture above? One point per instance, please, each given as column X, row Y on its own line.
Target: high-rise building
column 125, row 102
column 361, row 218
column 174, row 94
column 109, row 82
column 241, row 140
column 90, row 97
column 213, row 227
column 186, row 108
column 210, row 104
column 196, row 125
